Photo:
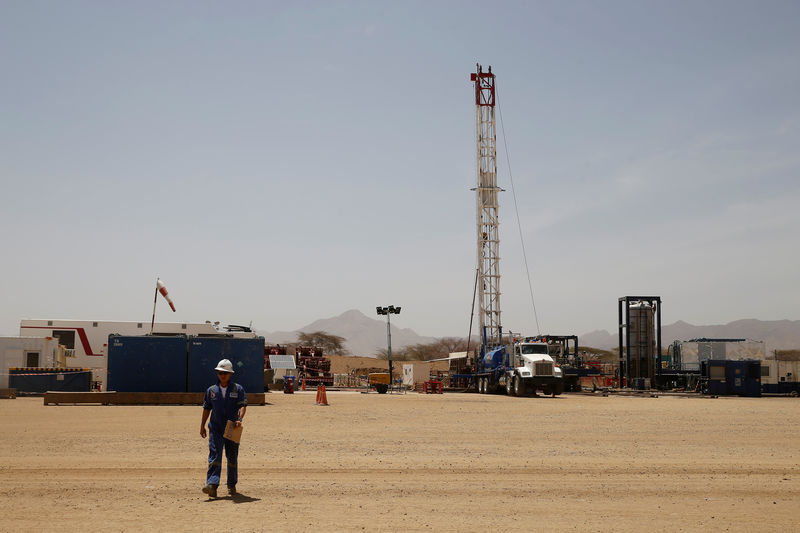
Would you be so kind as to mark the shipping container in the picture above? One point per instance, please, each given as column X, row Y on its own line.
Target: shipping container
column 86, row 341
column 41, row 380
column 247, row 356
column 147, row 363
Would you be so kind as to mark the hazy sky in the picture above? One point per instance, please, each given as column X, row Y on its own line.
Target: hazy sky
column 279, row 162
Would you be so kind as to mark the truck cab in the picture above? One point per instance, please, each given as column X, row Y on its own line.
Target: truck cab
column 533, row 368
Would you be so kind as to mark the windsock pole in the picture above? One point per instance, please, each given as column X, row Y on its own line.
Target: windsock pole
column 163, row 290
column 155, row 298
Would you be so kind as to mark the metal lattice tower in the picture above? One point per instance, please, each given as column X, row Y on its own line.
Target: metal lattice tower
column 487, row 209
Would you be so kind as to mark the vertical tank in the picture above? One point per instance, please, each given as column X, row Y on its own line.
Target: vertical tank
column 643, row 340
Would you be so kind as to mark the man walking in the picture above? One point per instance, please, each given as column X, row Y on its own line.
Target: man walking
column 223, row 402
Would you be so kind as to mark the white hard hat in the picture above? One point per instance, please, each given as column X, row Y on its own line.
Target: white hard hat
column 225, row 366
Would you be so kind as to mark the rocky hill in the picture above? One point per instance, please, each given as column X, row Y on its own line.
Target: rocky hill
column 365, row 335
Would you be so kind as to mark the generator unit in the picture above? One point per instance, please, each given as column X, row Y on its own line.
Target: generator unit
column 731, row 378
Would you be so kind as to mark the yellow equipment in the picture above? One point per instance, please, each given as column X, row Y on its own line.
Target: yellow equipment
column 380, row 380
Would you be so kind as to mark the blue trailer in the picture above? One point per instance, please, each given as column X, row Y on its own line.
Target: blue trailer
column 38, row 380
column 147, row 363
column 732, row 378
column 246, row 354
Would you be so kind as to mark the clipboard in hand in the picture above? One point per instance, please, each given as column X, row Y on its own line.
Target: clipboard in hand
column 232, row 432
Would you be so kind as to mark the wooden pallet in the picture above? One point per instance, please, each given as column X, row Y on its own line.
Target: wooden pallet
column 8, row 394
column 137, row 398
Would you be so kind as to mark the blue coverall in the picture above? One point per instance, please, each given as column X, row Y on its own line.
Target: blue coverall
column 222, row 410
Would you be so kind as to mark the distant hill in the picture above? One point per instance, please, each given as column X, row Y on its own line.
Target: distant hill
column 365, row 336
column 777, row 334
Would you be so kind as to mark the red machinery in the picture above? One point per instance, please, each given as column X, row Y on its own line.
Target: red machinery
column 312, row 367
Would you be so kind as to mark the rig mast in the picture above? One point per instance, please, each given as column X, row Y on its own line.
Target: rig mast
column 487, row 210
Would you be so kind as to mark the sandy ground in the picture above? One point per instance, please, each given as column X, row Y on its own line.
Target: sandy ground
column 458, row 462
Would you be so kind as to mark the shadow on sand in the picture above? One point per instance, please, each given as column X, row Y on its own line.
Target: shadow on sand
column 236, row 498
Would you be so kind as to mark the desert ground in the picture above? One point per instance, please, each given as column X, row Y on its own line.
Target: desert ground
column 453, row 462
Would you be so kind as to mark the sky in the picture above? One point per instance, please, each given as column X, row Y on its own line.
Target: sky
column 280, row 162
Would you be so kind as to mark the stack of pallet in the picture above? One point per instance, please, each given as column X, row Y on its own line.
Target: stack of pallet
column 313, row 367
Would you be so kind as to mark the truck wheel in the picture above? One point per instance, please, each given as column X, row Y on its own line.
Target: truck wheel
column 510, row 386
column 558, row 389
column 793, row 394
column 519, row 386
column 482, row 385
column 381, row 388
column 491, row 386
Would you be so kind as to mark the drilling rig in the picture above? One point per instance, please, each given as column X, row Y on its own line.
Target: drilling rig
column 524, row 365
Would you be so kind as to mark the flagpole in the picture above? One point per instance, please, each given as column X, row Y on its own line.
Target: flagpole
column 155, row 298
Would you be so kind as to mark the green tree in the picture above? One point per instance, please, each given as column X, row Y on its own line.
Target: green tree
column 330, row 344
column 437, row 349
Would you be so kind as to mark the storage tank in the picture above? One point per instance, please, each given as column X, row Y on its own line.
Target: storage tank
column 247, row 356
column 147, row 363
column 494, row 358
column 641, row 327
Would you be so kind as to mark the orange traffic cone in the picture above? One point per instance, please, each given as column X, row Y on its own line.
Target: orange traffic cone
column 304, row 385
column 322, row 397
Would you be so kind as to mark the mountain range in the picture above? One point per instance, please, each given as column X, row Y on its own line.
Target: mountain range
column 365, row 336
column 777, row 334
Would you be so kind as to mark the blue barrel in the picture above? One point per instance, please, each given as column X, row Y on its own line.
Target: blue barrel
column 247, row 356
column 147, row 363
column 288, row 385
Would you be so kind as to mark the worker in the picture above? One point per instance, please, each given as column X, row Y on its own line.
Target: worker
column 223, row 402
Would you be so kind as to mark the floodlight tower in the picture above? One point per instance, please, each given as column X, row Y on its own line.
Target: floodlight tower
column 487, row 210
column 388, row 311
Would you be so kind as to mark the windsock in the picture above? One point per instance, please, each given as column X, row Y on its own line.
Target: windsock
column 163, row 290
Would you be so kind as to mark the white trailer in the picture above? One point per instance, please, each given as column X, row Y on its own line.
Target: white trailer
column 28, row 352
column 86, row 341
column 780, row 377
column 414, row 373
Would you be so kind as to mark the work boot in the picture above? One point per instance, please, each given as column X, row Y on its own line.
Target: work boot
column 232, row 490
column 211, row 490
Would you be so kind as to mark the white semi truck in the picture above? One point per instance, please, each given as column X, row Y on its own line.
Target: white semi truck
column 521, row 369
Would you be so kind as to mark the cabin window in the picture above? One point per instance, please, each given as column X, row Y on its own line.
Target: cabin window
column 67, row 338
column 528, row 349
column 183, row 326
column 94, row 324
column 717, row 373
column 764, row 371
column 49, row 322
column 139, row 325
column 32, row 359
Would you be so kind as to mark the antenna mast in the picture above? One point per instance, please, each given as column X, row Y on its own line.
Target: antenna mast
column 487, row 210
